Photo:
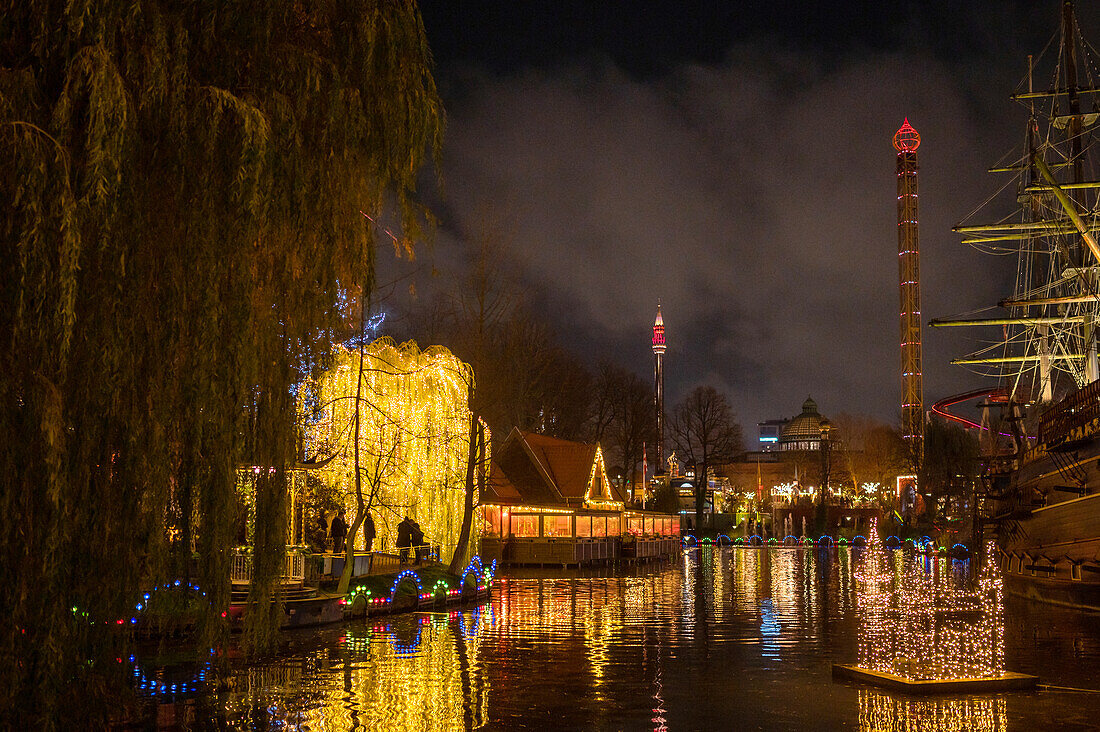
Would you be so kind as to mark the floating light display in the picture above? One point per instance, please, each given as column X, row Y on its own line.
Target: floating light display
column 414, row 436
column 920, row 620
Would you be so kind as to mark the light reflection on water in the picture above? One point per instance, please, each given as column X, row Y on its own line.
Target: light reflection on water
column 719, row 638
column 884, row 713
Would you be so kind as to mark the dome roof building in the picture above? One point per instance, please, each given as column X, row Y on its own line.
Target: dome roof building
column 804, row 431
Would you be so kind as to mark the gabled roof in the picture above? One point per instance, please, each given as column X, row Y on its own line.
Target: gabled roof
column 498, row 489
column 569, row 464
column 536, row 469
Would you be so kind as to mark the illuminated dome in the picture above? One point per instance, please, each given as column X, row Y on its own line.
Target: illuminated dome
column 804, row 431
column 906, row 139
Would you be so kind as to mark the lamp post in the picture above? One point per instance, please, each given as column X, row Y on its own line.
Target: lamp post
column 825, row 428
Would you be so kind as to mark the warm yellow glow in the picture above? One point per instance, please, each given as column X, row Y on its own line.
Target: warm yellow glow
column 414, row 435
column 598, row 476
column 527, row 509
column 922, row 618
column 382, row 684
column 880, row 712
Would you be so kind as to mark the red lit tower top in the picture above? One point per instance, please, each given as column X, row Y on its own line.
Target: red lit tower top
column 659, row 332
column 906, row 139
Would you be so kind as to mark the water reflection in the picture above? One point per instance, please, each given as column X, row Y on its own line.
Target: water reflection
column 883, row 713
column 415, row 673
column 716, row 637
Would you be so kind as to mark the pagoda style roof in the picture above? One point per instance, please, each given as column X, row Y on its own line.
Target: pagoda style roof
column 538, row 470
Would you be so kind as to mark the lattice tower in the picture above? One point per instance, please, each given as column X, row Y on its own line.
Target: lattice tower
column 906, row 142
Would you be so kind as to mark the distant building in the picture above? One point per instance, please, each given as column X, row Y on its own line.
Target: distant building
column 770, row 432
column 804, row 431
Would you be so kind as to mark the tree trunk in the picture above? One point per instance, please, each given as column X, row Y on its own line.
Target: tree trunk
column 473, row 457
column 700, row 497
column 360, row 504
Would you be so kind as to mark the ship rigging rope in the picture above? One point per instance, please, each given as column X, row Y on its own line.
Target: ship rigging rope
column 996, row 193
column 1086, row 47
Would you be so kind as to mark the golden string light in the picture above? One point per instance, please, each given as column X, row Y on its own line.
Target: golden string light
column 414, row 435
column 922, row 619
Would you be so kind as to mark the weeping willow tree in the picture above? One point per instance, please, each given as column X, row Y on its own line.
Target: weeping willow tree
column 188, row 194
column 399, row 416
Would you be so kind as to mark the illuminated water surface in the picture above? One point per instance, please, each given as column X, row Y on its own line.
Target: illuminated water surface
column 720, row 639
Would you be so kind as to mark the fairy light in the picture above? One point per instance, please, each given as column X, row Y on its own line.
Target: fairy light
column 414, row 435
column 922, row 619
column 598, row 476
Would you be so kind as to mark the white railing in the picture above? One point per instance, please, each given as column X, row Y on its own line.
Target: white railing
column 240, row 571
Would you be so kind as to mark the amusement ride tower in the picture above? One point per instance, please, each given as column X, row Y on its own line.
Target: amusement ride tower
column 659, row 385
column 906, row 142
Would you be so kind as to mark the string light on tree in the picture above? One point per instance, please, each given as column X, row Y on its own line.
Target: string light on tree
column 414, row 433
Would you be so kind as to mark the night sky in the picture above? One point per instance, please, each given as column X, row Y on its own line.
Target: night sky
column 735, row 161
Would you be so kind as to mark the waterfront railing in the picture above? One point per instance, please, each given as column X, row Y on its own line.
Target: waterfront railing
column 240, row 572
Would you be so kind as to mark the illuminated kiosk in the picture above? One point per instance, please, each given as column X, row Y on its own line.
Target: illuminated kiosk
column 549, row 502
column 925, row 627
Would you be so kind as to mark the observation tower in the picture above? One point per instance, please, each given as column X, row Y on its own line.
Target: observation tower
column 659, row 386
column 906, row 142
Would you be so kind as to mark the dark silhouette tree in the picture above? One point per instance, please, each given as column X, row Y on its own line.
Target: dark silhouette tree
column 704, row 432
column 951, row 468
column 620, row 409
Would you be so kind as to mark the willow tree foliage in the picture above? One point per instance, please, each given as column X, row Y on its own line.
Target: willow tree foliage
column 186, row 191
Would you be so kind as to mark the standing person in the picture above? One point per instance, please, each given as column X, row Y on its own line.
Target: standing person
column 368, row 531
column 339, row 531
column 404, row 538
column 326, row 523
column 417, row 540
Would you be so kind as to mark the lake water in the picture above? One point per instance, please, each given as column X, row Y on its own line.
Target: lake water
column 717, row 639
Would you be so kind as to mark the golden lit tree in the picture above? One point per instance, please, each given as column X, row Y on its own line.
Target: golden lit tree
column 404, row 421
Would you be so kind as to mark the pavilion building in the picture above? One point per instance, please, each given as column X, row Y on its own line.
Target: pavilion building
column 549, row 501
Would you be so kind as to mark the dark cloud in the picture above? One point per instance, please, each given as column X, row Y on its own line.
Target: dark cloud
column 755, row 197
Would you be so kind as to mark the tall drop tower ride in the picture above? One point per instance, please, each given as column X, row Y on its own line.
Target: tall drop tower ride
column 659, row 387
column 906, row 142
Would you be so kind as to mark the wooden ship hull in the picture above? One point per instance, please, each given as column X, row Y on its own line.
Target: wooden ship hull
column 1047, row 510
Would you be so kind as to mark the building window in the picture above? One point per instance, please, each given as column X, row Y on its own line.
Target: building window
column 599, row 526
column 557, row 526
column 525, row 525
column 634, row 525
column 492, row 520
column 1075, row 572
column 613, row 526
column 584, row 526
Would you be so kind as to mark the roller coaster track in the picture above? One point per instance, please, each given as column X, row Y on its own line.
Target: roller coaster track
column 996, row 395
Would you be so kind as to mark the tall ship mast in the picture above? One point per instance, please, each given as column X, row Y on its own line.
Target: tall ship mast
column 1042, row 492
